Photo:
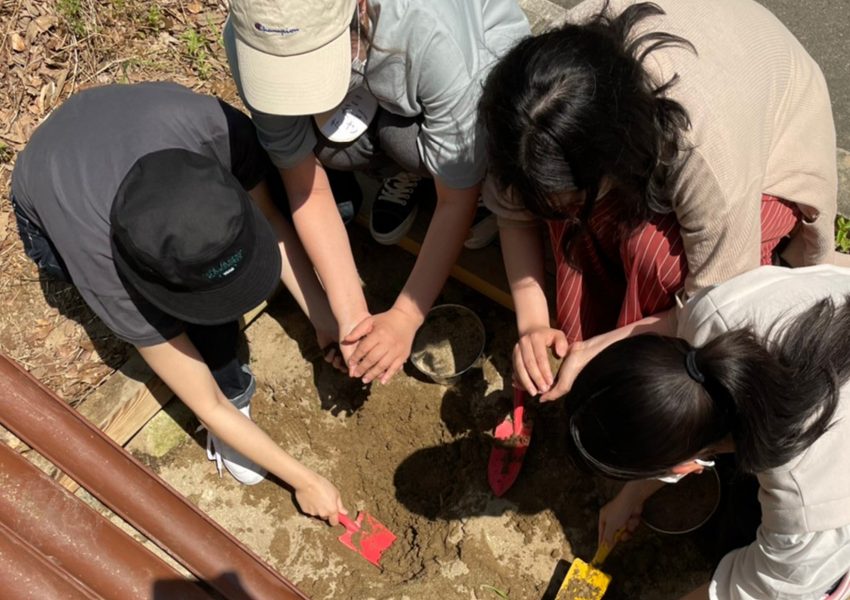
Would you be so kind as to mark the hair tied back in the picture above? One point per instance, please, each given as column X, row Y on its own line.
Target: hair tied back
column 691, row 366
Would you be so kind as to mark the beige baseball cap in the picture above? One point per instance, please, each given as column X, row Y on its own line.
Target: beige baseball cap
column 294, row 56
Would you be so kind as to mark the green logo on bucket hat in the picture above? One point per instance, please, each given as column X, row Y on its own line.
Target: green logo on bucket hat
column 225, row 267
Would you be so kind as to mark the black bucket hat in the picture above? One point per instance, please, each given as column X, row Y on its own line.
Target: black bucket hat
column 190, row 240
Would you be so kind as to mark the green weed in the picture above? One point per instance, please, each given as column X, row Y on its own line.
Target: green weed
column 500, row 593
column 842, row 234
column 153, row 17
column 72, row 12
column 196, row 48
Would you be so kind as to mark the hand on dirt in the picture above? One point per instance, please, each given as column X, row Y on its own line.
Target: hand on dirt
column 577, row 357
column 320, row 498
column 531, row 359
column 383, row 344
column 330, row 350
column 333, row 356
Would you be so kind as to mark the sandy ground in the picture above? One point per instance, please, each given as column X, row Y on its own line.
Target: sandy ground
column 413, row 454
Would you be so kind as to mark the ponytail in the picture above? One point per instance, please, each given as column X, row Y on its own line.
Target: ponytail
column 743, row 376
column 639, row 416
column 635, row 411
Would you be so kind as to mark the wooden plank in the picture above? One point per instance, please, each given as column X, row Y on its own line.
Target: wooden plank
column 482, row 270
column 130, row 398
column 118, row 405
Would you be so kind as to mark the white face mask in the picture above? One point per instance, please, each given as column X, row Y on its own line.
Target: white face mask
column 677, row 477
column 351, row 118
column 358, row 66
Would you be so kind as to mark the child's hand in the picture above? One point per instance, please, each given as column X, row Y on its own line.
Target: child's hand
column 318, row 497
column 383, row 344
column 330, row 350
column 346, row 333
column 531, row 358
column 622, row 513
column 577, row 357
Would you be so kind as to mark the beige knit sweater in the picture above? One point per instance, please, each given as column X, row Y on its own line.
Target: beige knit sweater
column 761, row 123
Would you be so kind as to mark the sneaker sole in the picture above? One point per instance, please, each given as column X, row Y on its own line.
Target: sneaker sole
column 478, row 243
column 482, row 234
column 246, row 481
column 397, row 234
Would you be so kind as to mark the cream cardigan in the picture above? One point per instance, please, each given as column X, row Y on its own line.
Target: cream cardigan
column 761, row 123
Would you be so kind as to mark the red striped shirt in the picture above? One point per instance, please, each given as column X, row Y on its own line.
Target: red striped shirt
column 620, row 281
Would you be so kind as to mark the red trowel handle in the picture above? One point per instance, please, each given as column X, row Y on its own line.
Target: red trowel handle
column 348, row 523
column 366, row 536
column 519, row 410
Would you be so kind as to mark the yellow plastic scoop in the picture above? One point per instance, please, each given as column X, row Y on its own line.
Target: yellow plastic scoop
column 586, row 581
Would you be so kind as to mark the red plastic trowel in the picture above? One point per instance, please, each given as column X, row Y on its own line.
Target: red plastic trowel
column 511, row 439
column 366, row 536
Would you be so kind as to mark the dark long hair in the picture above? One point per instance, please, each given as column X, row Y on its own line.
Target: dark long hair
column 569, row 106
column 636, row 411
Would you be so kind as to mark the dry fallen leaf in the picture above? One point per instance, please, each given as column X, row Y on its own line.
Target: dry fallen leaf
column 32, row 31
column 86, row 344
column 40, row 25
column 18, row 42
column 46, row 96
column 60, row 81
column 4, row 222
column 46, row 22
column 194, row 7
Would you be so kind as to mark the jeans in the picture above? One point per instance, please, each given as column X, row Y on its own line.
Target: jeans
column 39, row 248
column 217, row 344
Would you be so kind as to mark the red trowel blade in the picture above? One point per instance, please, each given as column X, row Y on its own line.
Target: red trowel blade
column 367, row 536
column 512, row 437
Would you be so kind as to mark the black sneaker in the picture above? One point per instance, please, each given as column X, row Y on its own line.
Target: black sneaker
column 347, row 193
column 395, row 207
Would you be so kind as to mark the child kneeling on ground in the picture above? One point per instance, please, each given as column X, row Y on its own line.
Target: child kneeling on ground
column 759, row 367
column 152, row 200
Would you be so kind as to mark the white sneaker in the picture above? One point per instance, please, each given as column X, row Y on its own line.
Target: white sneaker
column 482, row 233
column 243, row 470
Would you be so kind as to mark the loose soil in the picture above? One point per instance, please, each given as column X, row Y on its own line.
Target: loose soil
column 578, row 589
column 449, row 342
column 414, row 455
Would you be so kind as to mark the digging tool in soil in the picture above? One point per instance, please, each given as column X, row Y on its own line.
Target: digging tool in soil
column 511, row 439
column 366, row 536
column 587, row 581
column 583, row 582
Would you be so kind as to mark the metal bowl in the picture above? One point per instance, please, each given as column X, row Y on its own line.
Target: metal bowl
column 685, row 506
column 449, row 343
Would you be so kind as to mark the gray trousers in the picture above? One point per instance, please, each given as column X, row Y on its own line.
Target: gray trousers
column 387, row 148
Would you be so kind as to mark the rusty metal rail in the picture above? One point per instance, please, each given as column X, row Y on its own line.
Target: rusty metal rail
column 132, row 491
column 83, row 544
column 26, row 573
